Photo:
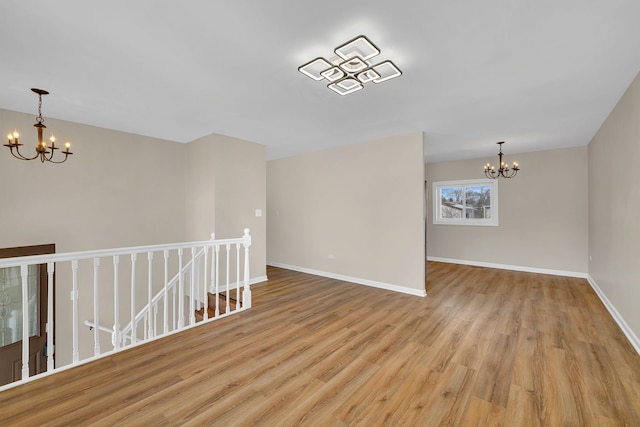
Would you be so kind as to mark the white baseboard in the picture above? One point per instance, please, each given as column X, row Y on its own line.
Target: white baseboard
column 366, row 282
column 258, row 279
column 631, row 336
column 252, row 281
column 510, row 267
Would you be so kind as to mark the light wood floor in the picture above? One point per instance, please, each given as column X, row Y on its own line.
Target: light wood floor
column 485, row 347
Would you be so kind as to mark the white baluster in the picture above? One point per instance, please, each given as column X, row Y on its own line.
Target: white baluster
column 237, row 276
column 74, row 297
column 145, row 323
column 205, row 301
column 246, row 294
column 211, row 288
column 96, row 308
column 173, row 310
column 197, row 284
column 50, row 325
column 150, row 289
column 155, row 318
column 24, row 272
column 166, row 300
column 192, row 309
column 134, row 325
column 116, row 304
column 228, row 247
column 217, row 289
column 180, row 291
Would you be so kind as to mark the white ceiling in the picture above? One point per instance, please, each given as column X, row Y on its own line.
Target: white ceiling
column 538, row 74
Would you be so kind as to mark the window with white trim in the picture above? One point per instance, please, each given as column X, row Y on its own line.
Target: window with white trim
column 468, row 202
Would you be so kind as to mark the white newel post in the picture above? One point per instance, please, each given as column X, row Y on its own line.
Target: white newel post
column 246, row 293
column 24, row 271
column 50, row 326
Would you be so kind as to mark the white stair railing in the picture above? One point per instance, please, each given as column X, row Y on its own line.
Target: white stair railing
column 113, row 287
column 162, row 296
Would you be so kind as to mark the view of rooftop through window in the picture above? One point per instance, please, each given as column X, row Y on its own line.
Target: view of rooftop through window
column 466, row 202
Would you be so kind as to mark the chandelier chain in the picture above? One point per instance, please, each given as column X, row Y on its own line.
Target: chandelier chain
column 39, row 119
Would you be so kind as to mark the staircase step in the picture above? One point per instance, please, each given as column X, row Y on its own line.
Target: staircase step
column 200, row 314
column 211, row 310
column 222, row 297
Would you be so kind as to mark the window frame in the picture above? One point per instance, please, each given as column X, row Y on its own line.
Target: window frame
column 437, row 202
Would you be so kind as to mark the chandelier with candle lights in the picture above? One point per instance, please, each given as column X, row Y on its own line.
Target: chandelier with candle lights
column 43, row 152
column 503, row 169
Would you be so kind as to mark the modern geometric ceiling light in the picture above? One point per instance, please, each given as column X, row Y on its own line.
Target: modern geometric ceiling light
column 43, row 152
column 351, row 68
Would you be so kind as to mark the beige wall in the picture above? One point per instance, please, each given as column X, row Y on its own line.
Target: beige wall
column 542, row 213
column 118, row 189
column 361, row 203
column 614, row 207
column 200, row 191
column 226, row 183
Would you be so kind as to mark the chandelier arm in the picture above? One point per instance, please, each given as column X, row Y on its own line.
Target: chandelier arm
column 44, row 154
column 61, row 161
column 507, row 174
column 20, row 156
column 491, row 174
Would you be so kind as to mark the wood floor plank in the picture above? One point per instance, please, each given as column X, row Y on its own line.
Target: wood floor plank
column 481, row 413
column 382, row 387
column 485, row 347
column 524, row 408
